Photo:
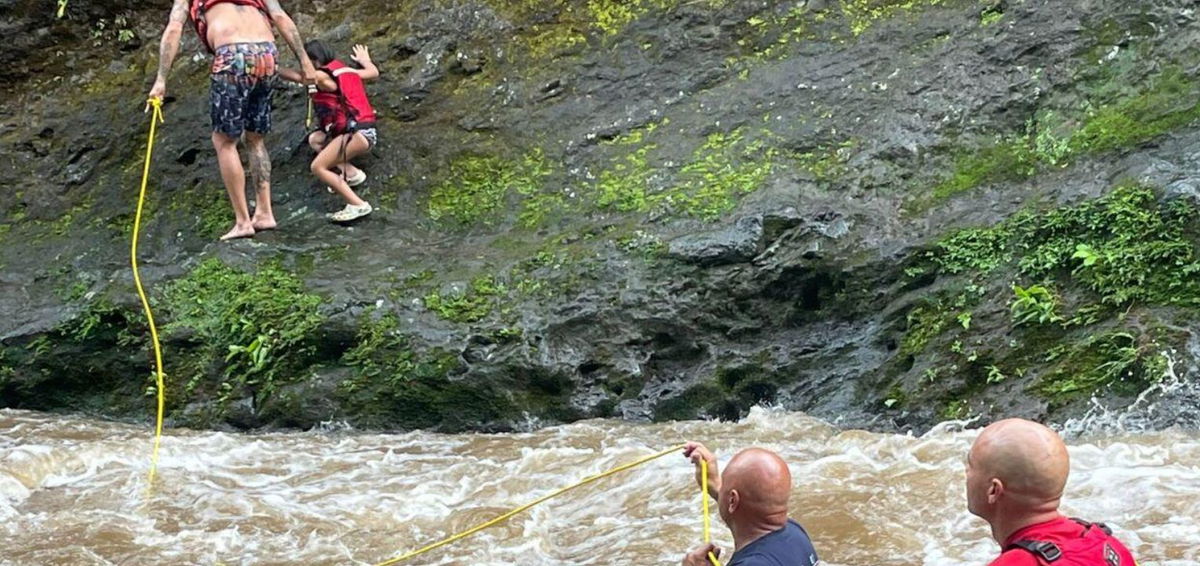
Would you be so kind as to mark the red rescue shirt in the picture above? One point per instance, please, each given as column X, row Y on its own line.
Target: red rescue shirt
column 1072, row 539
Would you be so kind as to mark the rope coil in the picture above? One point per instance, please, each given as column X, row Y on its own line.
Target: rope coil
column 156, row 118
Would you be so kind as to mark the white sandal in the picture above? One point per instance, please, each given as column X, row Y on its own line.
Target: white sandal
column 354, row 181
column 351, row 212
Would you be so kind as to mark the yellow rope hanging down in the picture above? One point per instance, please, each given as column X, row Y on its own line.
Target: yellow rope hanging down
column 527, row 506
column 155, row 119
column 704, row 508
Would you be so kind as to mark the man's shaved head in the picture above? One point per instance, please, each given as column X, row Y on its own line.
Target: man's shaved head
column 1016, row 467
column 763, row 485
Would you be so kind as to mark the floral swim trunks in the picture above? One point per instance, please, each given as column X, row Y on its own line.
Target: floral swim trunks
column 242, row 84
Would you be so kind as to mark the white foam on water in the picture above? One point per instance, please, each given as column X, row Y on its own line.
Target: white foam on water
column 340, row 497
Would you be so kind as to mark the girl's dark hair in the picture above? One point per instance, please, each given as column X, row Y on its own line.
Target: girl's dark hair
column 320, row 53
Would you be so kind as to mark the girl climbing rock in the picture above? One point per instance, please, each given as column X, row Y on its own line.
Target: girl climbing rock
column 346, row 123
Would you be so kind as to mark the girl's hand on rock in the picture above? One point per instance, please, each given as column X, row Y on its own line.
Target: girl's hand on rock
column 361, row 53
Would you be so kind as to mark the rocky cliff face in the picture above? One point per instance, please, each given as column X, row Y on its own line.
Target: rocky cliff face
column 884, row 213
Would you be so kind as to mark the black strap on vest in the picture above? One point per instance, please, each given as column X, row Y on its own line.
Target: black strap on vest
column 1049, row 551
column 1087, row 525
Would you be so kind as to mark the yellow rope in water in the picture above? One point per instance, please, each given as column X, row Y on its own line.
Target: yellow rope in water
column 704, row 506
column 62, row 8
column 155, row 119
column 526, row 506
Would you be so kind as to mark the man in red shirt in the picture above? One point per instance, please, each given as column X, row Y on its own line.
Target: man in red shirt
column 1016, row 474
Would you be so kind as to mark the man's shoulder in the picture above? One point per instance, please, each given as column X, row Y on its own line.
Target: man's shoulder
column 789, row 546
column 1015, row 557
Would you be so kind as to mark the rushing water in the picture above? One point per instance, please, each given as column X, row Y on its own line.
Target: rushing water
column 73, row 491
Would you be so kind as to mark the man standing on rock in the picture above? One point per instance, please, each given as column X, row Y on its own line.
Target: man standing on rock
column 238, row 33
column 1016, row 474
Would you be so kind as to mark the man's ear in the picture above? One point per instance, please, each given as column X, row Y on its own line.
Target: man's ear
column 735, row 499
column 995, row 490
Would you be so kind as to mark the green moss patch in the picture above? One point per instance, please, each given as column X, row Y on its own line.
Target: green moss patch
column 861, row 15
column 725, row 167
column 472, row 304
column 481, row 190
column 1170, row 101
column 1116, row 359
column 478, row 188
column 207, row 208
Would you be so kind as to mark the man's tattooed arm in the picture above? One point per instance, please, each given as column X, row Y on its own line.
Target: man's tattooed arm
column 169, row 46
column 287, row 28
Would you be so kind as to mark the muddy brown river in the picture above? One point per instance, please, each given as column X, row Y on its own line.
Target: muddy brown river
column 73, row 491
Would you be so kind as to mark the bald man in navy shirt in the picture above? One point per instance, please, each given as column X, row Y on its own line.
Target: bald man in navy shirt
column 752, row 499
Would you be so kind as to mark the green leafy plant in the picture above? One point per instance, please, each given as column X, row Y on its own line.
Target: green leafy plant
column 261, row 324
column 1034, row 304
column 379, row 348
column 1115, row 247
column 1049, row 147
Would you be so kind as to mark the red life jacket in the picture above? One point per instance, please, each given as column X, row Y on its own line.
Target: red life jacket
column 347, row 109
column 201, row 6
column 1095, row 546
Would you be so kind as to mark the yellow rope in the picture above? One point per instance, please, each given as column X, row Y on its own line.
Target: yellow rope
column 704, row 506
column 155, row 119
column 526, row 506
column 62, row 8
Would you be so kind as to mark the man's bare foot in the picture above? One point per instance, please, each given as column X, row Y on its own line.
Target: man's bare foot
column 263, row 224
column 238, row 232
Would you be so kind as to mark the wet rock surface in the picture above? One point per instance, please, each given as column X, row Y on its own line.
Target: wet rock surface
column 675, row 211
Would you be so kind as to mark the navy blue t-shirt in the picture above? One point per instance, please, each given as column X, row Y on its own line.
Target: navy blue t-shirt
column 788, row 546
